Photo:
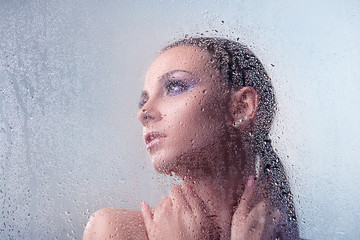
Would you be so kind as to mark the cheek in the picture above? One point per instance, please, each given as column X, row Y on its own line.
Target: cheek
column 211, row 118
column 194, row 125
column 197, row 118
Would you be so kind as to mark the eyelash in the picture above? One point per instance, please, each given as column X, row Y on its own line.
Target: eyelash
column 170, row 85
column 143, row 100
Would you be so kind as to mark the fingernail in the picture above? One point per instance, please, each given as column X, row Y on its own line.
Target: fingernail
column 250, row 183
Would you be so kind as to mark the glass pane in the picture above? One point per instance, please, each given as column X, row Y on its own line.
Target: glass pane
column 71, row 75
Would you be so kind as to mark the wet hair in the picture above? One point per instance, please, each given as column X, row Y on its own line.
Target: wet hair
column 240, row 68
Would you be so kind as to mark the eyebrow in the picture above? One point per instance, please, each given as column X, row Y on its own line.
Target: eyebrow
column 166, row 75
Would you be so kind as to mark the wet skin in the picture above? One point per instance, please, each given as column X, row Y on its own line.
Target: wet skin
column 183, row 111
column 187, row 111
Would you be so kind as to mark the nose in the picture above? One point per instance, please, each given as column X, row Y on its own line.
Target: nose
column 147, row 115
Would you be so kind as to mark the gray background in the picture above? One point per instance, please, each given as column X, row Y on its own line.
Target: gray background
column 71, row 73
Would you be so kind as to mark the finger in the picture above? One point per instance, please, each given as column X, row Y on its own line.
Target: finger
column 164, row 204
column 178, row 199
column 272, row 224
column 200, row 215
column 258, row 214
column 274, row 217
column 182, row 212
column 262, row 221
column 196, row 204
column 256, row 220
column 147, row 214
column 162, row 210
column 246, row 198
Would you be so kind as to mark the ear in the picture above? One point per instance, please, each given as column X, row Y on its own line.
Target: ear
column 243, row 105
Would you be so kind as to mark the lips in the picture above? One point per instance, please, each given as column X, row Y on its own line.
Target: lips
column 152, row 138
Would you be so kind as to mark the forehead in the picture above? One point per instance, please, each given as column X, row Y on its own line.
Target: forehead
column 191, row 59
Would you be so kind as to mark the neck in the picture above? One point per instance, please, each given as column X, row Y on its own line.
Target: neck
column 219, row 198
column 221, row 189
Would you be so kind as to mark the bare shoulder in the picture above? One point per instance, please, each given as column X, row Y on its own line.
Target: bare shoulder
column 115, row 223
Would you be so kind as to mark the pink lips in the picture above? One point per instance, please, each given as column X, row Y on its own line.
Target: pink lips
column 152, row 138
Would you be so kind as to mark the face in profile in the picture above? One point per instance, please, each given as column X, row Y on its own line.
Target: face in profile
column 183, row 110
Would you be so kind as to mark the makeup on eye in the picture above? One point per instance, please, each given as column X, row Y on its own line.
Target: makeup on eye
column 178, row 81
column 143, row 99
column 173, row 82
column 176, row 87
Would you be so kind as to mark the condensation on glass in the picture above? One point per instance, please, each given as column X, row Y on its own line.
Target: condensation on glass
column 71, row 74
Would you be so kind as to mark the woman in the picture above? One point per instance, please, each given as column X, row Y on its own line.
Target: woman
column 206, row 110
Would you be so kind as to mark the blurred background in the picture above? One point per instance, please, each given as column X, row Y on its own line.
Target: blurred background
column 71, row 73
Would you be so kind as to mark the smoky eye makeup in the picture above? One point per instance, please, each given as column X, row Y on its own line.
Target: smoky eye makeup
column 178, row 81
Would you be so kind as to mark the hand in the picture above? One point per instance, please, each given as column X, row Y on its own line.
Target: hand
column 252, row 223
column 181, row 216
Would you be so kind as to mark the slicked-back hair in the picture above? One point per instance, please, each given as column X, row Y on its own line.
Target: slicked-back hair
column 239, row 67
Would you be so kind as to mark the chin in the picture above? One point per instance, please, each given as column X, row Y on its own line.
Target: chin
column 163, row 166
column 161, row 163
column 170, row 163
column 184, row 164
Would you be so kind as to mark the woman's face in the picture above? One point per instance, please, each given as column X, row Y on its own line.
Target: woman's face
column 183, row 109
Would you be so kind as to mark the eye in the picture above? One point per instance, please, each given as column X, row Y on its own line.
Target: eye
column 143, row 99
column 175, row 87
